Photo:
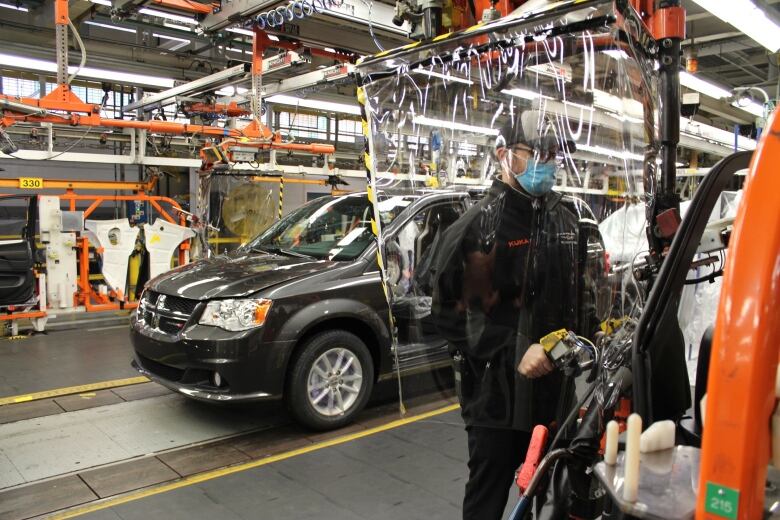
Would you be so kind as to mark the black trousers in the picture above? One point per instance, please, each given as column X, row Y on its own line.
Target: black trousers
column 494, row 456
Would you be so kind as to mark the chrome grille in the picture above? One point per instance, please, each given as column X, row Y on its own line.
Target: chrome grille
column 165, row 313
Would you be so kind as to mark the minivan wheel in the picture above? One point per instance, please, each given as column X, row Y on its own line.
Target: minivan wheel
column 331, row 380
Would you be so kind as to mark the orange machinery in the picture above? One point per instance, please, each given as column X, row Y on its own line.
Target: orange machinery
column 741, row 393
column 91, row 300
column 62, row 106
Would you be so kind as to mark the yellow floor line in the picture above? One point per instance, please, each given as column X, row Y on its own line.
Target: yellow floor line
column 209, row 475
column 58, row 392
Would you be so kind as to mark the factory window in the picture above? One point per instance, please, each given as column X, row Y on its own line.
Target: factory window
column 349, row 130
column 304, row 125
column 21, row 87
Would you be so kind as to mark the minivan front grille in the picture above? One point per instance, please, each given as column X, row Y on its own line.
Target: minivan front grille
column 165, row 313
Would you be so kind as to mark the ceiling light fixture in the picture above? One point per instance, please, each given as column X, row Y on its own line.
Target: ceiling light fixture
column 168, row 16
column 446, row 77
column 617, row 54
column 714, row 91
column 109, row 26
column 748, row 18
column 325, row 106
column 14, row 7
column 427, row 121
column 102, row 2
column 174, row 38
column 21, row 62
column 238, row 30
column 705, row 87
column 525, row 94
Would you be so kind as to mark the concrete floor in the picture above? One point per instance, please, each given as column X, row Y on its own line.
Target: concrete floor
column 416, row 471
column 57, row 359
column 74, row 450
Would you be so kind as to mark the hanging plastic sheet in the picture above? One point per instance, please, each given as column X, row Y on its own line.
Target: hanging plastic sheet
column 515, row 139
column 240, row 209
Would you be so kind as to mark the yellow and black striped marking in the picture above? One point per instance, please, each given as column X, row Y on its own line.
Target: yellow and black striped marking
column 376, row 230
column 281, row 196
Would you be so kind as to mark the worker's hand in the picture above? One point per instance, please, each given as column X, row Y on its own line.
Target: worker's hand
column 535, row 362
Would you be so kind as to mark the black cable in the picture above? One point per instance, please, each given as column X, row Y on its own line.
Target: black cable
column 574, row 412
column 71, row 147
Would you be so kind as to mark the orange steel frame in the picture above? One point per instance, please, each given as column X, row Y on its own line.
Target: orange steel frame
column 75, row 112
column 86, row 294
column 743, row 367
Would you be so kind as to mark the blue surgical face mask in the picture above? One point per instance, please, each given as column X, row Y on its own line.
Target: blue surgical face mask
column 538, row 178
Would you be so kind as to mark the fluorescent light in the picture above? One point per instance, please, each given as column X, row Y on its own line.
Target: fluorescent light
column 705, row 87
column 617, row 54
column 707, row 132
column 446, row 77
column 427, row 121
column 328, row 49
column 587, row 108
column 325, row 106
column 714, row 91
column 87, row 72
column 600, row 150
column 626, row 109
column 14, row 7
column 525, row 94
column 240, row 51
column 272, row 37
column 174, row 38
column 176, row 26
column 238, row 30
column 230, row 91
column 748, row 18
column 109, row 26
column 102, row 2
column 168, row 16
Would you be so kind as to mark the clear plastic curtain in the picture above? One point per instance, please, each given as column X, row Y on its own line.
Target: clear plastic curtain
column 470, row 133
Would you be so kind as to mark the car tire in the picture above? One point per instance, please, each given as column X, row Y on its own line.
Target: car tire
column 331, row 380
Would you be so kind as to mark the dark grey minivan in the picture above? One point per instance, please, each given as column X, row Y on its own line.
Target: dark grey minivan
column 299, row 312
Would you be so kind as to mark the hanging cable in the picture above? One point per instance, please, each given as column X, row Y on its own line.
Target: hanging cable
column 370, row 5
column 83, row 52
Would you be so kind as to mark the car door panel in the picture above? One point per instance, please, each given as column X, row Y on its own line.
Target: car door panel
column 17, row 259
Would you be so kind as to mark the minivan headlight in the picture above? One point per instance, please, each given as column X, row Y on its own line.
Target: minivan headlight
column 235, row 315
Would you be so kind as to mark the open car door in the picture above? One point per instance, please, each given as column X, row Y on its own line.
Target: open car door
column 17, row 247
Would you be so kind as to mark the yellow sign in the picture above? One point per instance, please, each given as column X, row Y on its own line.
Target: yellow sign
column 30, row 183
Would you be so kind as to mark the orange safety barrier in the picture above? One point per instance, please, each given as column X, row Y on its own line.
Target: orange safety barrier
column 743, row 367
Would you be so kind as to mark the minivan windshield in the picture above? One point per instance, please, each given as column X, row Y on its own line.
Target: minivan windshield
column 332, row 228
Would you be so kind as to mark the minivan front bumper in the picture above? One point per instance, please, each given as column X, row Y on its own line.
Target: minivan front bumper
column 249, row 369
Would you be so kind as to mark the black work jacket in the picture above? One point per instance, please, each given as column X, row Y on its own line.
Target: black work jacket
column 511, row 270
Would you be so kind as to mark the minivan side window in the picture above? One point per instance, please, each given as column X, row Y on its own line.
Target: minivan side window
column 409, row 251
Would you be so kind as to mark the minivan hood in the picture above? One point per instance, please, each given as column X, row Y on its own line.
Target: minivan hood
column 235, row 275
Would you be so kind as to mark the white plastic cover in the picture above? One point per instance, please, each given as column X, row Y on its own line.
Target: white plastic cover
column 61, row 262
column 117, row 239
column 162, row 239
column 699, row 302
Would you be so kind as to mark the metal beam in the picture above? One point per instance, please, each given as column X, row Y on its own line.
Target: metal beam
column 713, row 37
column 350, row 12
column 309, row 79
column 716, row 49
column 53, row 184
column 193, row 88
